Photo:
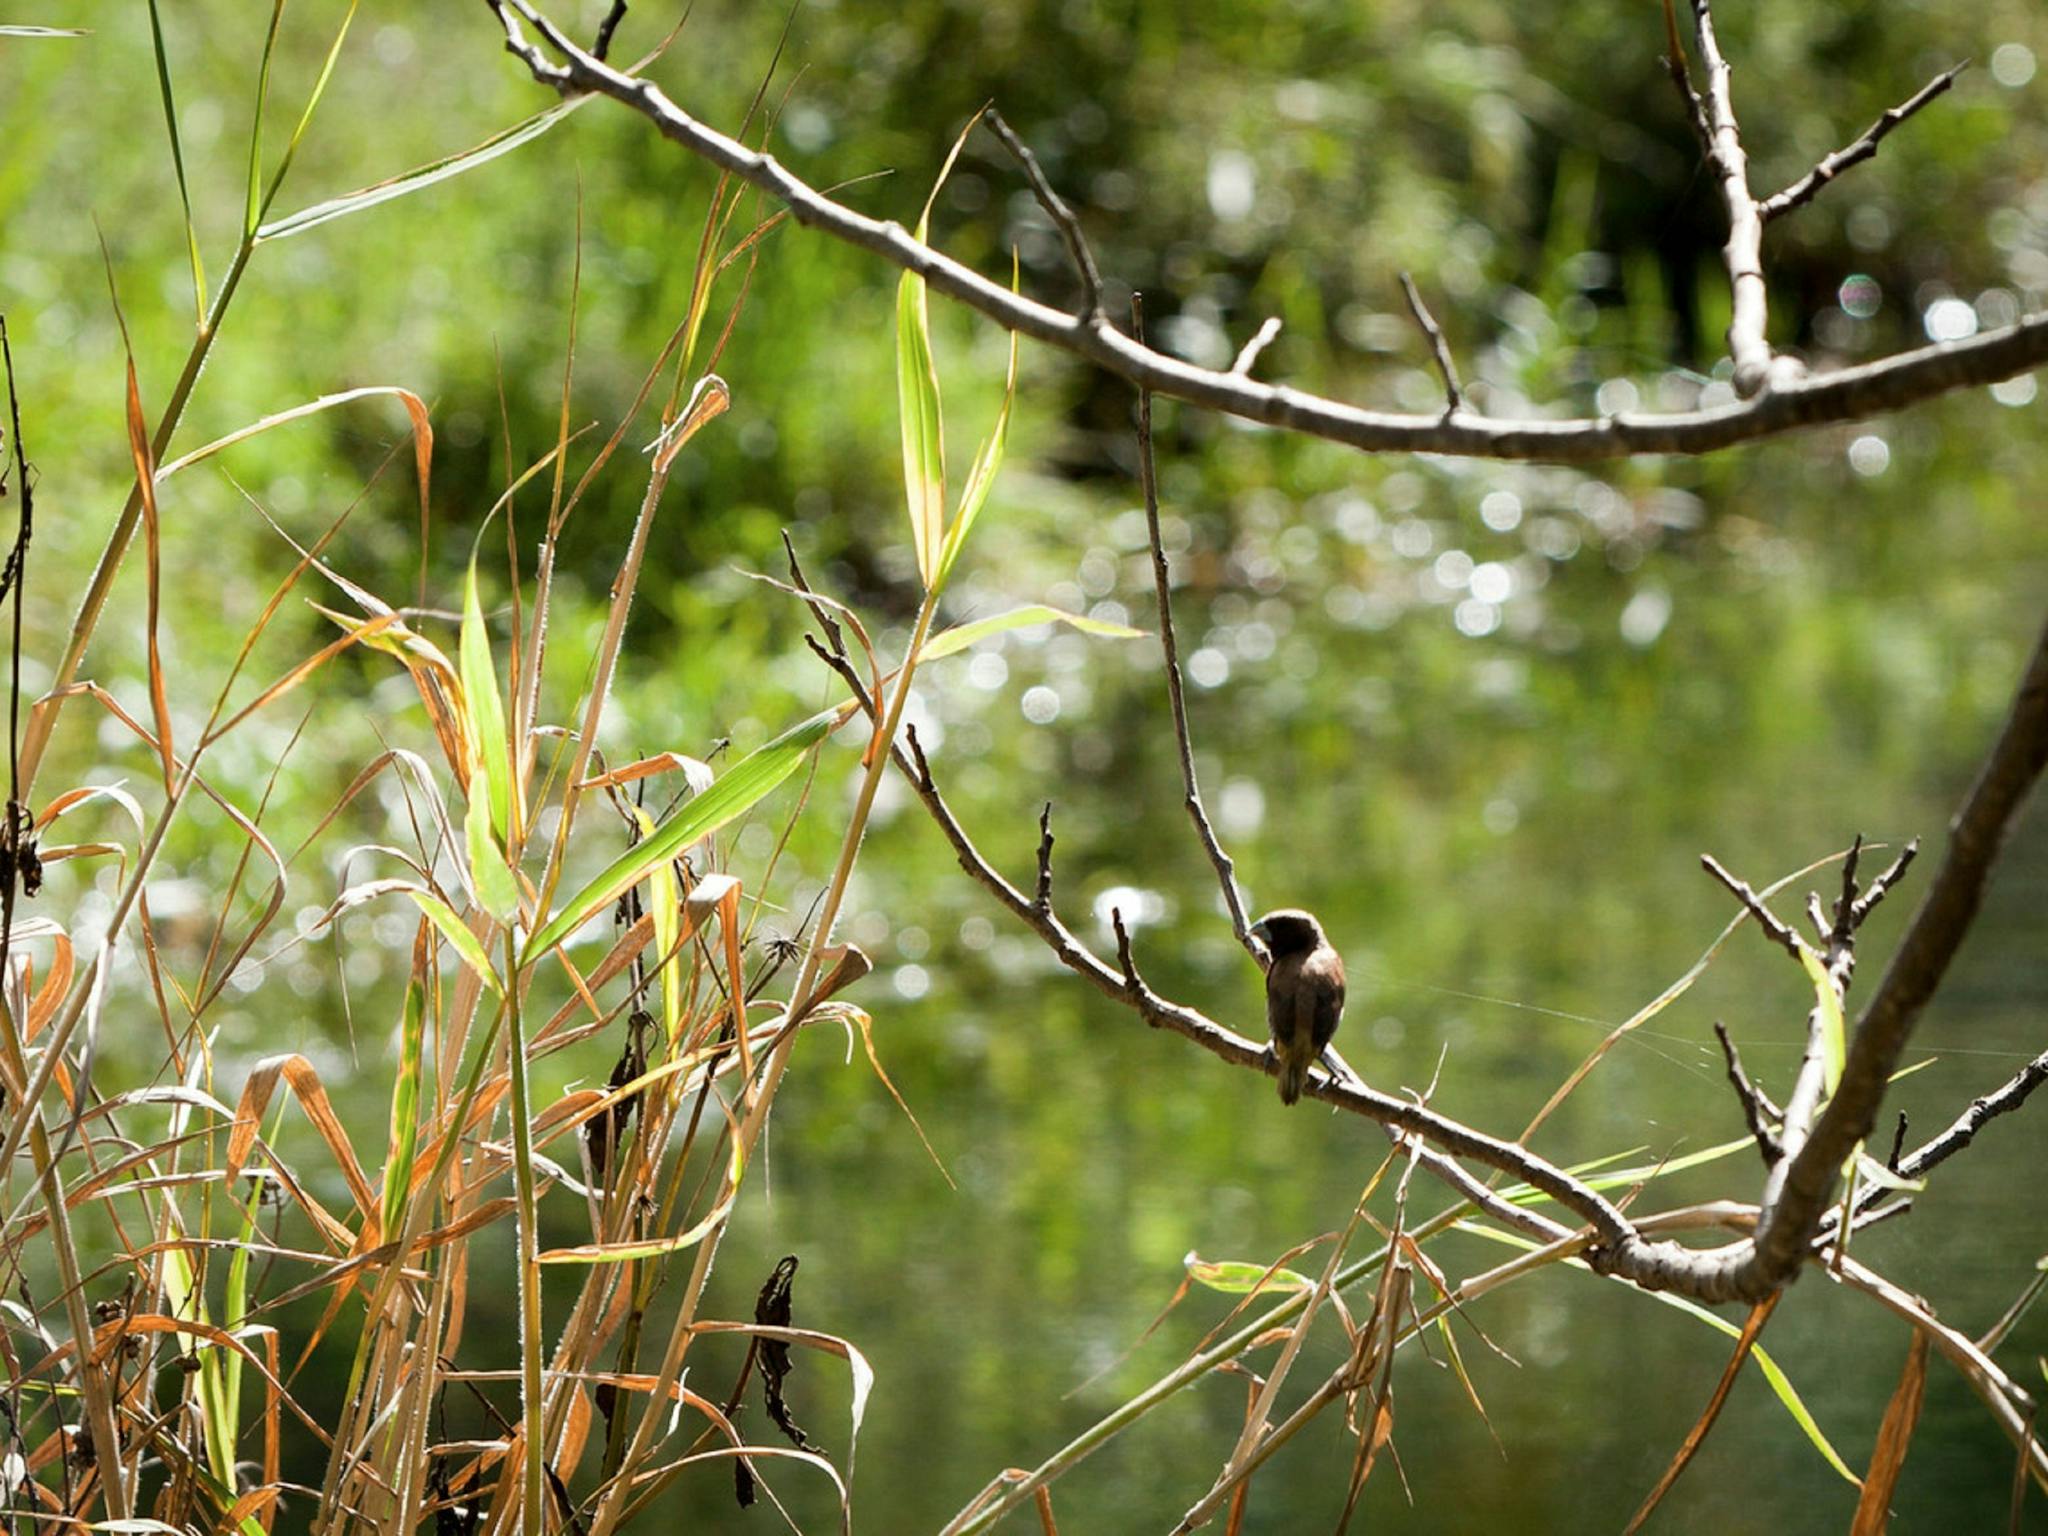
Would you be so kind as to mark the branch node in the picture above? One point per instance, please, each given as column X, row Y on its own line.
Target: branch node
column 1898, row 1143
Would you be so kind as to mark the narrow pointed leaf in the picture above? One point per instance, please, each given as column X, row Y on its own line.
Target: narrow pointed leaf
column 734, row 794
column 170, row 100
column 1833, row 1036
column 982, row 477
column 486, row 709
column 957, row 639
column 924, row 450
column 496, row 891
column 1236, row 1277
column 420, row 177
column 405, row 1105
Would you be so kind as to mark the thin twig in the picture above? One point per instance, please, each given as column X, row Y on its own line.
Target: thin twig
column 1674, row 65
column 1847, row 394
column 1767, row 920
column 1757, row 1110
column 1807, row 187
column 1176, row 692
column 1454, row 400
column 1056, row 209
column 1248, row 354
column 603, row 46
column 1043, row 899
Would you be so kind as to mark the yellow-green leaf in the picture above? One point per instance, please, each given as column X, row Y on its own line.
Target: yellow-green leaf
column 405, row 1107
column 1834, row 1044
column 736, row 792
column 1236, row 1278
column 924, row 444
column 489, row 875
column 983, row 476
column 957, row 639
column 485, row 710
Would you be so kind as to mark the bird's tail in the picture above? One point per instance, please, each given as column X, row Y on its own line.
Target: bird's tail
column 1293, row 1078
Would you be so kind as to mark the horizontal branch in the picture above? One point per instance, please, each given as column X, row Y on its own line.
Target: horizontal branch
column 1848, row 394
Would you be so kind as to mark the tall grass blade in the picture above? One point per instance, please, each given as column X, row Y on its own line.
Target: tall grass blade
column 252, row 208
column 419, row 178
column 253, row 220
column 170, row 100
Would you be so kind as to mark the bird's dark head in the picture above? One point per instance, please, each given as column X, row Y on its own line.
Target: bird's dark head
column 1290, row 931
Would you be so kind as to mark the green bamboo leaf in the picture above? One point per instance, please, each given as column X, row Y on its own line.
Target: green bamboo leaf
column 438, row 912
column 957, row 639
column 734, row 794
column 924, row 446
column 457, row 933
column 485, row 710
column 1622, row 1178
column 1780, row 1384
column 983, row 476
column 917, row 396
column 664, row 905
column 420, row 177
column 497, row 892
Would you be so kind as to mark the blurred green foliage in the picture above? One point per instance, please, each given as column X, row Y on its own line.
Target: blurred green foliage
column 1482, row 718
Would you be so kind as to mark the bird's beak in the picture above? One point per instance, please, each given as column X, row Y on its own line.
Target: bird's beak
column 1259, row 932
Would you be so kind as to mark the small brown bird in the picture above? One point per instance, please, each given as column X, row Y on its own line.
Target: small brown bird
column 1304, row 993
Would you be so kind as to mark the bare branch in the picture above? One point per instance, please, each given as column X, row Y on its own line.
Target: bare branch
column 1982, row 1111
column 1849, row 394
column 1055, row 208
column 1440, row 349
column 1743, row 254
column 1148, row 480
column 1807, row 187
